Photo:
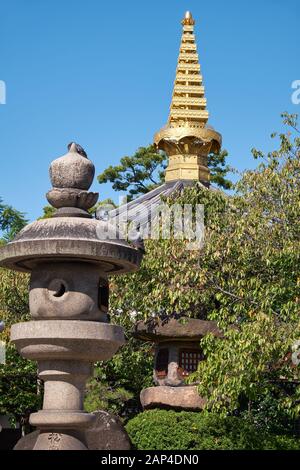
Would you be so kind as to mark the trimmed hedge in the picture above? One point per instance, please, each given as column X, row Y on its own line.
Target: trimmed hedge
column 172, row 430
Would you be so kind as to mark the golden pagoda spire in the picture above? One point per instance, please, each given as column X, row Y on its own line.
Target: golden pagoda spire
column 188, row 105
column 186, row 139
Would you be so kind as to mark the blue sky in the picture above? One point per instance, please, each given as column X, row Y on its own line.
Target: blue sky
column 101, row 73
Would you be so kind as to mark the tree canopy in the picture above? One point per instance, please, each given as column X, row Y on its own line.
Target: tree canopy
column 18, row 377
column 11, row 221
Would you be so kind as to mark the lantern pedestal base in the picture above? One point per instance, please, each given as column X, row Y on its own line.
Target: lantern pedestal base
column 185, row 398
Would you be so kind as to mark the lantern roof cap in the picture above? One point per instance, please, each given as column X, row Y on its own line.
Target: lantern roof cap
column 175, row 329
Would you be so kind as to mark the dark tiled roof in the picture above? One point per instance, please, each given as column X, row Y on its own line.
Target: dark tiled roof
column 142, row 208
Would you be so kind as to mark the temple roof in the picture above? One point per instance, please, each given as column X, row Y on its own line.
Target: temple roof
column 142, row 210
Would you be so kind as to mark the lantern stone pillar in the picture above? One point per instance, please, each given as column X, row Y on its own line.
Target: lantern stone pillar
column 69, row 257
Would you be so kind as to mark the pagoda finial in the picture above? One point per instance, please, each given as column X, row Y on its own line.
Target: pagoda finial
column 188, row 19
column 186, row 139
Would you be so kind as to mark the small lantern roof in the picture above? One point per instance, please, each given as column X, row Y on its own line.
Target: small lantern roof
column 185, row 329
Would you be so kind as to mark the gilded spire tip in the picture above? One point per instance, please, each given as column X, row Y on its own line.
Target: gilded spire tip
column 188, row 19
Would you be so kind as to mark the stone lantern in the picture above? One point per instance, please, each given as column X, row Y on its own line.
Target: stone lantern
column 177, row 354
column 69, row 257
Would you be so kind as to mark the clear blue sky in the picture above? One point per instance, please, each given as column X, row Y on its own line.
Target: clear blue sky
column 101, row 73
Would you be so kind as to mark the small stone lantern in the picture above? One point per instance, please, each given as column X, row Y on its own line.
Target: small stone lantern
column 177, row 354
column 69, row 257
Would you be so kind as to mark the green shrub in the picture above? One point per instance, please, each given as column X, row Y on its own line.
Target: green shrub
column 171, row 430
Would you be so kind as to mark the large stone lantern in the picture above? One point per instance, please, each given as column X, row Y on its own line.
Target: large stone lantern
column 69, row 257
column 177, row 354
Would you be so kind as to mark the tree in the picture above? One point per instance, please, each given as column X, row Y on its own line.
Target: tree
column 145, row 170
column 18, row 376
column 246, row 278
column 106, row 204
column 48, row 212
column 117, row 383
column 219, row 169
column 11, row 221
column 252, row 264
column 19, row 389
column 138, row 174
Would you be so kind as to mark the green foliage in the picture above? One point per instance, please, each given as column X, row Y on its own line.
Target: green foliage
column 145, row 170
column 100, row 396
column 18, row 386
column 170, row 279
column 108, row 204
column 138, row 174
column 117, row 383
column 18, row 377
column 219, row 169
column 252, row 264
column 48, row 212
column 121, row 379
column 11, row 221
column 267, row 414
column 13, row 297
column 171, row 430
column 132, row 367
